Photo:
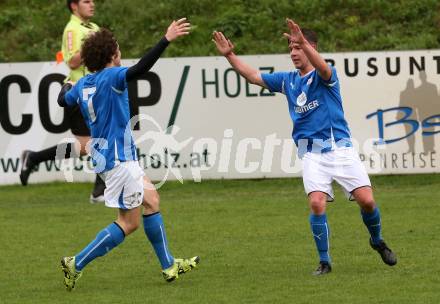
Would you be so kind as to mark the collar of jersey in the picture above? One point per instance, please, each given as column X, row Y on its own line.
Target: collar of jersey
column 305, row 75
column 78, row 20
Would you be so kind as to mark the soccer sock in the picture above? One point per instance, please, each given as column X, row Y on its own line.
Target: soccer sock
column 105, row 240
column 99, row 181
column 321, row 234
column 155, row 231
column 372, row 221
column 68, row 149
column 99, row 187
column 50, row 153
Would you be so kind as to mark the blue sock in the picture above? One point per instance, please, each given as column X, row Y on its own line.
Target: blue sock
column 155, row 231
column 105, row 240
column 372, row 221
column 321, row 234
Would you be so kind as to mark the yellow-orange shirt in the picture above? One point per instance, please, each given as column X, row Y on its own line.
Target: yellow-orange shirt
column 74, row 34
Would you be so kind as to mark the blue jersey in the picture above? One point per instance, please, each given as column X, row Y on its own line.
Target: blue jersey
column 315, row 106
column 103, row 100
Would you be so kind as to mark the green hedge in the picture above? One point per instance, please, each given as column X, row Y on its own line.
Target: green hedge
column 31, row 30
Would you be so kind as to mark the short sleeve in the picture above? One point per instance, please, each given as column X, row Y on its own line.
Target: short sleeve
column 275, row 81
column 333, row 78
column 119, row 78
column 72, row 96
column 71, row 43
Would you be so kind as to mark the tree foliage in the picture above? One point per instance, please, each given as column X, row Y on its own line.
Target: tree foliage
column 31, row 30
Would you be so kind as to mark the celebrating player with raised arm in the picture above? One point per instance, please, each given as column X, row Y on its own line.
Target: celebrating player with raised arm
column 321, row 134
column 103, row 99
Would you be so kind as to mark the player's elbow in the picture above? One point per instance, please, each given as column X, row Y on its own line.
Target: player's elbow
column 73, row 65
column 255, row 79
column 74, row 62
column 64, row 89
column 61, row 101
column 252, row 80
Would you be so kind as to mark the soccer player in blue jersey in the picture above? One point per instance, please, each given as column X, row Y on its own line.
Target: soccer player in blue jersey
column 103, row 99
column 321, row 134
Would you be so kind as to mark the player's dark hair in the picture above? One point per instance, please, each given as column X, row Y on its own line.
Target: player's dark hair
column 98, row 49
column 69, row 2
column 310, row 35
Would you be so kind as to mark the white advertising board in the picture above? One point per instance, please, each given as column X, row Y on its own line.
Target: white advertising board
column 227, row 128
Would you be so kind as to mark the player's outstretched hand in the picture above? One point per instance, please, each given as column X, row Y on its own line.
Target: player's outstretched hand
column 295, row 35
column 224, row 46
column 178, row 28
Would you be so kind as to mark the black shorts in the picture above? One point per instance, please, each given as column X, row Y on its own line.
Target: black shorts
column 76, row 121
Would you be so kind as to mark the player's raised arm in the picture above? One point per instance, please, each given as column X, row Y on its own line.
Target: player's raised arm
column 297, row 39
column 176, row 29
column 225, row 47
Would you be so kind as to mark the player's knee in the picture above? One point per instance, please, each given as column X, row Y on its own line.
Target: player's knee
column 155, row 201
column 131, row 227
column 317, row 208
column 317, row 205
column 365, row 200
column 83, row 151
column 152, row 201
column 81, row 145
column 367, row 204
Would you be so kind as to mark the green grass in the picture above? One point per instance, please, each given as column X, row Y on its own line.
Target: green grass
column 252, row 235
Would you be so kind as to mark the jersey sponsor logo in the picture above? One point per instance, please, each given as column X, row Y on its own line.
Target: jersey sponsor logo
column 301, row 99
column 70, row 40
column 310, row 106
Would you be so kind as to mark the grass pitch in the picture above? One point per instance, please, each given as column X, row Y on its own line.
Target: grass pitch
column 253, row 237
